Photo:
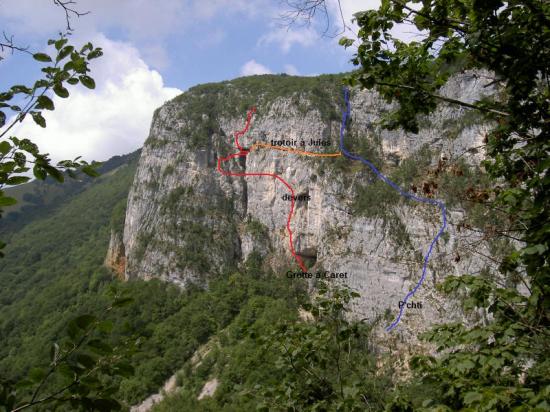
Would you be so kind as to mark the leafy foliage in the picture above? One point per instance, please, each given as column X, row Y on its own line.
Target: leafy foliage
column 68, row 67
column 325, row 363
column 495, row 364
column 77, row 369
column 502, row 364
column 268, row 358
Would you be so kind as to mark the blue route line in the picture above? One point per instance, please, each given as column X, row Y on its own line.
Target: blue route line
column 438, row 203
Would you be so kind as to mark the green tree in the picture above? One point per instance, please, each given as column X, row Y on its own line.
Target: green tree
column 81, row 369
column 326, row 363
column 500, row 365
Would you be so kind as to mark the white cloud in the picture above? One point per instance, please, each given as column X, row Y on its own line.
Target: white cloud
column 147, row 24
column 112, row 119
column 252, row 67
column 290, row 69
column 285, row 38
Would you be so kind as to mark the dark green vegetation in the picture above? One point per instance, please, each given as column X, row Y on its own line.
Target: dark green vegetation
column 44, row 286
column 53, row 268
column 267, row 359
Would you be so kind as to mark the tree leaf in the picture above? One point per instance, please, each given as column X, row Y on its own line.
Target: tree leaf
column 90, row 171
column 87, row 81
column 39, row 172
column 7, row 167
column 65, row 371
column 100, row 347
column 21, row 88
column 95, row 54
column 7, row 201
column 86, row 47
column 55, row 173
column 6, row 96
column 44, row 102
column 60, row 43
column 40, row 83
column 85, row 360
column 73, row 330
column 37, row 374
column 42, row 57
column 72, row 80
column 60, row 90
column 17, row 180
column 79, row 64
column 5, row 147
column 84, row 321
column 65, row 51
column 38, row 119
column 344, row 41
column 2, row 119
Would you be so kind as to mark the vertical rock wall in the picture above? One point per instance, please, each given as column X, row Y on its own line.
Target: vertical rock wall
column 186, row 222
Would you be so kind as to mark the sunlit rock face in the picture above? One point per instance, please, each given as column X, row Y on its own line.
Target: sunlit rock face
column 186, row 221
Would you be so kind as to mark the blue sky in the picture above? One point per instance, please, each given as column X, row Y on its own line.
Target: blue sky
column 154, row 50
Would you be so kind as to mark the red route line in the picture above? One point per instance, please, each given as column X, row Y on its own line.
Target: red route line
column 243, row 153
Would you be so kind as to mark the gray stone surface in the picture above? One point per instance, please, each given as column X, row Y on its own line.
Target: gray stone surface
column 382, row 271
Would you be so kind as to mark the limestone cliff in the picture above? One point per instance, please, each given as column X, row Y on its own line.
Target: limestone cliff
column 115, row 260
column 185, row 221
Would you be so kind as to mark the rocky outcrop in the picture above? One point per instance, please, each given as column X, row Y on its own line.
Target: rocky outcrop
column 115, row 260
column 147, row 404
column 209, row 388
column 185, row 221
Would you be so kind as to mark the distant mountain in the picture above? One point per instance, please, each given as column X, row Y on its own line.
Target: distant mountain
column 39, row 198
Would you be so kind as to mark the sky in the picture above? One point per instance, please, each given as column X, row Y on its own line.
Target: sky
column 155, row 50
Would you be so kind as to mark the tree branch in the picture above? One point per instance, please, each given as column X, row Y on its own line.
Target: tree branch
column 445, row 99
column 8, row 44
column 67, row 6
column 306, row 10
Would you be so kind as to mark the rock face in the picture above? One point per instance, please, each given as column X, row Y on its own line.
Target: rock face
column 115, row 260
column 185, row 221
